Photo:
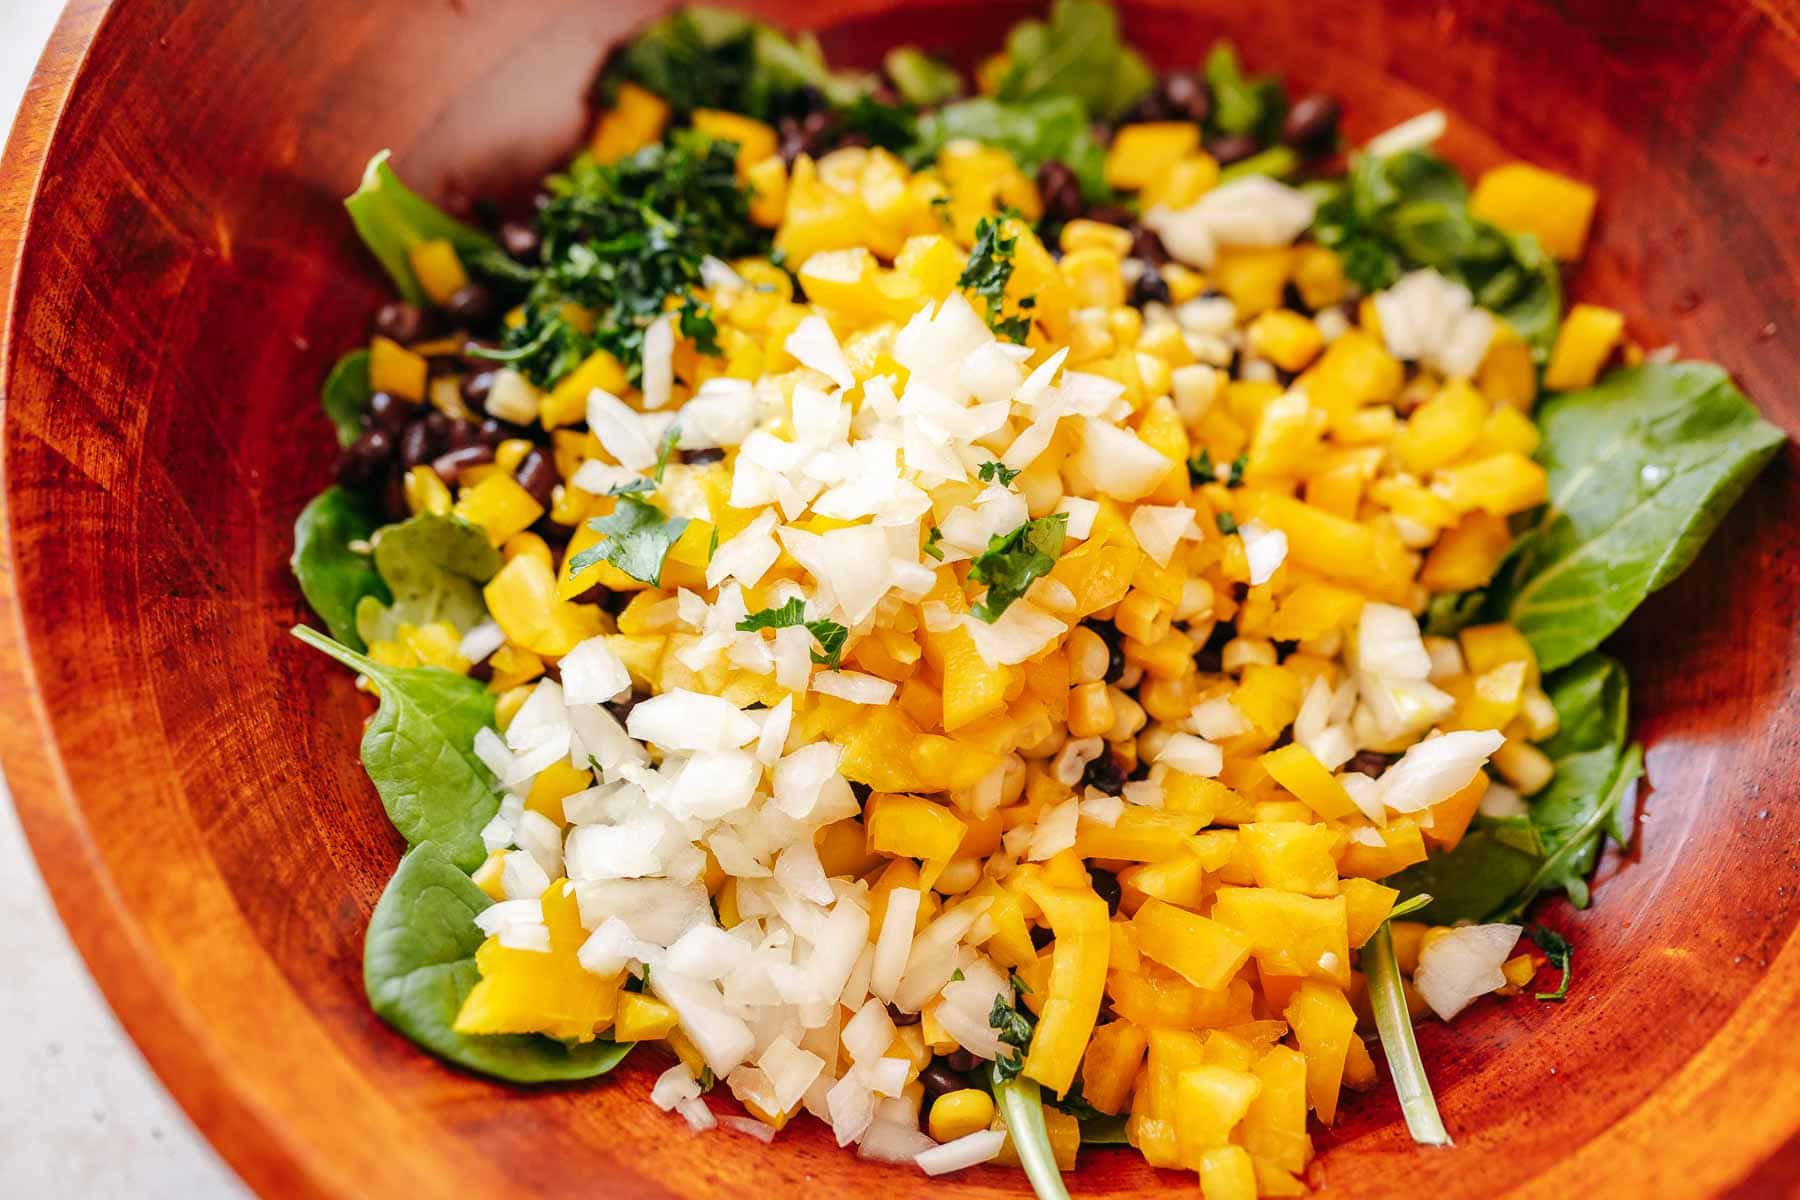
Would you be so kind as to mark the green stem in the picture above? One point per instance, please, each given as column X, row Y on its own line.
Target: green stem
column 1022, row 1108
column 1395, row 1026
column 1276, row 161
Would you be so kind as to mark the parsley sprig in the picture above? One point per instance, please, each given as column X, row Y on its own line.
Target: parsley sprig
column 990, row 270
column 1014, row 1025
column 638, row 538
column 992, row 472
column 1013, row 561
column 829, row 634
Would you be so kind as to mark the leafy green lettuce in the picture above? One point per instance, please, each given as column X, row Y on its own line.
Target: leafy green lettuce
column 434, row 567
column 1034, row 132
column 392, row 219
column 419, row 967
column 1078, row 53
column 706, row 57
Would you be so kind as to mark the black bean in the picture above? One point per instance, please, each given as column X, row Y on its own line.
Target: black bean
column 1210, row 661
column 482, row 671
column 1041, row 937
column 901, row 1017
column 1061, row 191
column 451, row 464
column 940, row 1080
column 363, row 461
column 1115, row 648
column 463, row 434
column 1111, row 214
column 861, row 791
column 1106, row 886
column 1312, row 123
column 417, row 445
column 1228, row 148
column 1104, row 774
column 1185, row 97
column 438, row 365
column 621, row 709
column 393, row 499
column 470, row 304
column 400, row 321
column 1153, row 107
column 1149, row 288
column 700, row 458
column 493, row 431
column 537, row 475
column 520, row 240
column 439, row 424
column 1369, row 762
column 475, row 388
column 389, row 413
column 803, row 135
column 1147, row 246
column 962, row 1060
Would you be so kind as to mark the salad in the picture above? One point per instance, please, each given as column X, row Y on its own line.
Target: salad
column 999, row 615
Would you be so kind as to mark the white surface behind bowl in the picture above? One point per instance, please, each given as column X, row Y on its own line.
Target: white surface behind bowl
column 81, row 1116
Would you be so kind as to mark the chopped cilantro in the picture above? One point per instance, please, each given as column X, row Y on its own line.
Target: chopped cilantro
column 957, row 976
column 992, row 471
column 1226, row 522
column 829, row 634
column 989, row 270
column 1556, row 948
column 664, row 450
column 931, row 543
column 1014, row 560
column 1235, row 477
column 707, row 1079
column 1014, row 1028
column 1201, row 469
column 638, row 537
column 632, row 487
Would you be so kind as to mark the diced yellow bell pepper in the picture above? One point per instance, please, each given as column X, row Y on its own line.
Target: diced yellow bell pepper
column 913, row 827
column 755, row 141
column 1291, row 856
column 1400, row 847
column 1253, row 278
column 522, row 599
column 1441, row 429
column 487, row 876
column 1485, row 647
column 1508, row 377
column 1286, row 338
column 1527, row 199
column 554, row 784
column 1450, row 816
column 1078, row 920
column 1323, row 1024
column 1227, row 1173
column 1295, row 768
column 642, row 1018
column 1269, row 696
column 635, row 120
column 1114, row 1054
column 396, row 370
column 1368, row 904
column 1288, row 933
column 1139, row 835
column 439, row 272
column 1179, row 880
column 1319, row 276
column 1142, row 151
column 768, row 180
column 1210, row 1101
column 1203, row 952
column 1466, row 556
column 499, row 506
column 530, row 991
column 1587, row 337
column 1501, row 485
column 566, row 403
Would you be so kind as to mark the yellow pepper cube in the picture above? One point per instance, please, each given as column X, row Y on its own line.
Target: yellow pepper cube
column 1294, row 768
column 1441, row 429
column 1319, row 276
column 1286, row 338
column 425, row 492
column 1587, row 337
column 566, row 403
column 487, row 875
column 642, row 1018
column 1114, row 1055
column 1203, row 952
column 1355, row 370
column 1290, row 934
column 1142, row 151
column 1527, row 199
column 439, row 272
column 635, row 120
column 522, row 598
column 1373, row 853
column 1508, row 428
column 1179, row 185
column 1094, row 278
column 1466, row 556
column 1274, row 1130
column 530, row 991
column 554, row 784
column 913, row 827
column 1253, row 278
column 1078, row 921
column 1269, row 696
column 1083, row 234
column 1139, row 835
column 755, row 141
column 1499, row 485
column 1508, row 376
column 1485, row 647
column 499, row 506
column 768, row 180
column 1227, row 1173
column 1291, row 856
column 396, row 370
column 1210, row 1101
column 1180, row 881
column 1368, row 904
column 1323, row 1024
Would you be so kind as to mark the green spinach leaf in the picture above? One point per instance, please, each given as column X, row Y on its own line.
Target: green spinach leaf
column 921, row 80
column 1240, row 103
column 1077, row 53
column 392, row 219
column 1642, row 468
column 332, row 576
column 346, row 395
column 419, row 967
column 1561, row 956
column 1034, row 132
column 419, row 751
column 705, row 57
column 434, row 566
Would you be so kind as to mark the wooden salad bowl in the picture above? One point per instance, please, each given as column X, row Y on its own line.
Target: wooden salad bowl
column 179, row 274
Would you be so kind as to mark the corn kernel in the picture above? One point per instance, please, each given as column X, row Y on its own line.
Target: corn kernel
column 960, row 1113
column 1083, row 234
column 1090, row 710
column 1088, row 656
column 1128, row 716
column 1141, row 152
column 1286, row 338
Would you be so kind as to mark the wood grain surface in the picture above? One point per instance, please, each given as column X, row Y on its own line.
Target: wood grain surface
column 178, row 275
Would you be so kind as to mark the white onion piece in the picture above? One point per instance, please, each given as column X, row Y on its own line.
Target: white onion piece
column 1458, row 966
column 972, row 1149
column 1437, row 768
column 894, row 942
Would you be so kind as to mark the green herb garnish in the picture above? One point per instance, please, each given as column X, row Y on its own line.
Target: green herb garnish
column 667, row 447
column 989, row 270
column 434, row 567
column 1014, row 1026
column 638, row 537
column 829, row 634
column 1556, row 948
column 1234, row 477
column 1013, row 561
column 931, row 543
column 992, row 472
column 1201, row 469
column 1227, row 523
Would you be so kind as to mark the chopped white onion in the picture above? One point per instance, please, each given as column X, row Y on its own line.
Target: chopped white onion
column 1457, row 966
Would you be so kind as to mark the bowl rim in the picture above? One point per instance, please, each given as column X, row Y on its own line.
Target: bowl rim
column 179, row 1048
